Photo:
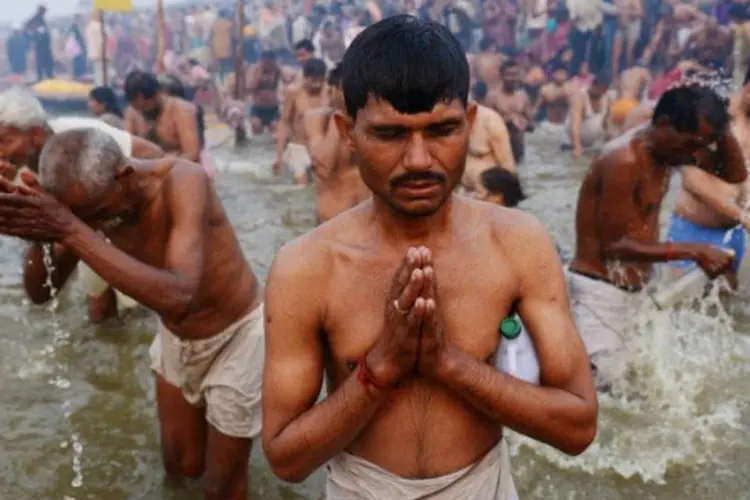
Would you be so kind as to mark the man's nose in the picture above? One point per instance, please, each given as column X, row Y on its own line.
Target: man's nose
column 417, row 155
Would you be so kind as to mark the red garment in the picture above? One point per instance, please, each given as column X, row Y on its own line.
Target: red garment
column 663, row 82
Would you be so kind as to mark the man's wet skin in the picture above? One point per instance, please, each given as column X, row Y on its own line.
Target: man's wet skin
column 633, row 82
column 262, row 83
column 554, row 97
column 335, row 169
column 310, row 96
column 167, row 121
column 513, row 104
column 708, row 199
column 489, row 143
column 625, row 187
column 486, row 65
column 409, row 328
column 172, row 250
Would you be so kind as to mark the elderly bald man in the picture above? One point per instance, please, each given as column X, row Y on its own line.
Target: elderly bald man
column 165, row 241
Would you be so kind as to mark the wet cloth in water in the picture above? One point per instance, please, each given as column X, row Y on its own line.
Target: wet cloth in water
column 353, row 478
column 602, row 313
column 682, row 230
column 222, row 373
column 94, row 286
column 297, row 159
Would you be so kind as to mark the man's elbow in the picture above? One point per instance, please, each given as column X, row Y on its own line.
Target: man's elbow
column 580, row 440
column 286, row 469
column 290, row 474
column 580, row 435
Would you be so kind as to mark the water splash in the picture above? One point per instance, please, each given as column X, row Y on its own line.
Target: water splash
column 675, row 406
column 49, row 266
column 714, row 80
column 60, row 339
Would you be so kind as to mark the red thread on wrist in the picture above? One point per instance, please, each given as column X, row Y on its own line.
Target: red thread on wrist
column 365, row 377
column 670, row 251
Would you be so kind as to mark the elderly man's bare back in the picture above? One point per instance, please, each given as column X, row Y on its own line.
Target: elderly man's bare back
column 485, row 262
column 213, row 306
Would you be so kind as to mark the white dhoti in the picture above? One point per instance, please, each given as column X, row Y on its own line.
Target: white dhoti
column 549, row 128
column 602, row 313
column 353, row 478
column 297, row 159
column 94, row 286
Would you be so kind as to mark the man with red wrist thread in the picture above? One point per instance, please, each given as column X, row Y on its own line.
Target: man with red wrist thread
column 398, row 302
column 617, row 218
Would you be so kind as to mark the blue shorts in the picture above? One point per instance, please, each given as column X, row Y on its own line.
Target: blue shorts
column 682, row 230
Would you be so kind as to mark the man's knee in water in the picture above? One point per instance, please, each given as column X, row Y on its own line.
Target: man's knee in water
column 102, row 307
column 223, row 484
column 183, row 465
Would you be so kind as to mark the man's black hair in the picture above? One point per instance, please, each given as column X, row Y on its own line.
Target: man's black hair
column 314, row 68
column 141, row 83
column 268, row 55
column 485, row 43
column 558, row 65
column 509, row 64
column 497, row 180
column 304, row 45
column 684, row 106
column 479, row 91
column 172, row 86
column 334, row 76
column 666, row 10
column 411, row 63
column 602, row 79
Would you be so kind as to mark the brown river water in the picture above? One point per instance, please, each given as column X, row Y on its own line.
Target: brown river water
column 77, row 406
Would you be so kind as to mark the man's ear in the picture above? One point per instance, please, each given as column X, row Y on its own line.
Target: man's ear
column 123, row 171
column 471, row 113
column 662, row 121
column 345, row 125
column 39, row 136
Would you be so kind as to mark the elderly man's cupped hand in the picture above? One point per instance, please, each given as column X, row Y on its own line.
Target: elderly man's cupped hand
column 28, row 211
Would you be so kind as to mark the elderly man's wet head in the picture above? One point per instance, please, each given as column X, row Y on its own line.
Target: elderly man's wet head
column 86, row 170
column 23, row 128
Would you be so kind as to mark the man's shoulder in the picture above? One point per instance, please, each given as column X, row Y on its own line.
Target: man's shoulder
column 518, row 235
column 311, row 255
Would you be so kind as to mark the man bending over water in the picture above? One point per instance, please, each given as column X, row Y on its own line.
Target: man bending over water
column 617, row 218
column 410, row 290
column 24, row 130
column 173, row 250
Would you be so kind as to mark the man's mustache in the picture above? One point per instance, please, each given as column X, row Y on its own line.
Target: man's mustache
column 418, row 177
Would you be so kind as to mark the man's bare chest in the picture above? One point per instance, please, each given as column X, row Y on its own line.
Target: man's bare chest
column 473, row 299
column 508, row 105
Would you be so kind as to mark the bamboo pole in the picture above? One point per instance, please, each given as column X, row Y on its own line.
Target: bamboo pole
column 239, row 73
column 161, row 37
column 103, row 29
column 240, row 137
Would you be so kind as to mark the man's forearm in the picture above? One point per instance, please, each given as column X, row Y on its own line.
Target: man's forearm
column 551, row 415
column 157, row 289
column 323, row 431
column 281, row 141
column 627, row 250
